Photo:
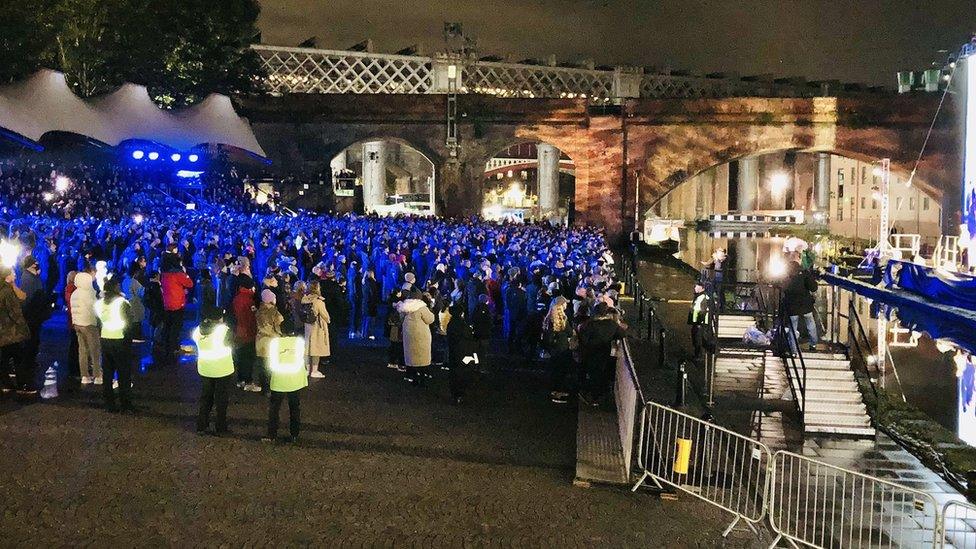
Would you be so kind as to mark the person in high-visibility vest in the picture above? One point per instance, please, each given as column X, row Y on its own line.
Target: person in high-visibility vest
column 286, row 361
column 113, row 313
column 215, row 364
column 698, row 319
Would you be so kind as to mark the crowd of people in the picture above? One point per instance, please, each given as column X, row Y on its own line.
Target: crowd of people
column 271, row 294
column 104, row 188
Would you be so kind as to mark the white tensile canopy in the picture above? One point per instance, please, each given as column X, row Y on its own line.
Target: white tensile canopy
column 43, row 103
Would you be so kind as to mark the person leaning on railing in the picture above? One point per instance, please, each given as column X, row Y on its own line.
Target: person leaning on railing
column 799, row 300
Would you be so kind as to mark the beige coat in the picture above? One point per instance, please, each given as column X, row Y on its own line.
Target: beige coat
column 417, row 318
column 317, row 333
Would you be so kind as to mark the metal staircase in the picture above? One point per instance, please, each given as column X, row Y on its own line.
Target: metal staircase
column 833, row 404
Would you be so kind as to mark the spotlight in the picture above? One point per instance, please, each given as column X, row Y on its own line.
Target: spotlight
column 138, row 154
column 61, row 183
column 153, row 155
column 175, row 157
column 48, row 197
column 776, row 268
column 193, row 158
column 137, row 218
column 9, row 252
column 779, row 182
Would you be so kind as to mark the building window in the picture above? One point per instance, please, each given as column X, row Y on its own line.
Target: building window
column 864, row 175
column 853, row 175
column 840, row 190
column 840, row 214
column 874, row 204
column 840, row 176
column 863, row 201
column 925, row 203
column 911, row 203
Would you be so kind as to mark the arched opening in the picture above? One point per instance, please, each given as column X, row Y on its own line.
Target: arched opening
column 387, row 176
column 833, row 194
column 528, row 181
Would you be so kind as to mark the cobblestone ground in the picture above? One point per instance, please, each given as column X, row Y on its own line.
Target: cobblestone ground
column 380, row 463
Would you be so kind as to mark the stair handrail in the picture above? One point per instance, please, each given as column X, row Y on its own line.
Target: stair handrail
column 792, row 356
column 861, row 345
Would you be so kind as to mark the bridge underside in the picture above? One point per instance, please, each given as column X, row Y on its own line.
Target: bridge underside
column 626, row 157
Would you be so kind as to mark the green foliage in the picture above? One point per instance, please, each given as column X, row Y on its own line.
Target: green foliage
column 181, row 50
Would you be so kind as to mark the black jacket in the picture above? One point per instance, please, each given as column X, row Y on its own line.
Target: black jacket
column 798, row 297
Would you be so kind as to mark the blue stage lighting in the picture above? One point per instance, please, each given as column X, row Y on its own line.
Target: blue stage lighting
column 153, row 155
column 137, row 154
column 193, row 158
column 175, row 157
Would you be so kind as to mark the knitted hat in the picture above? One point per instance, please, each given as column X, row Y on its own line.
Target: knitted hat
column 409, row 277
column 267, row 296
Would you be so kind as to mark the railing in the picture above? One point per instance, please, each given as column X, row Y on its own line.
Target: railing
column 787, row 344
column 958, row 518
column 628, row 397
column 823, row 505
column 310, row 70
column 704, row 460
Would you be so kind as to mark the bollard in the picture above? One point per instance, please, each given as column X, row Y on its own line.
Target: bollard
column 682, row 389
column 640, row 308
column 661, row 362
column 650, row 324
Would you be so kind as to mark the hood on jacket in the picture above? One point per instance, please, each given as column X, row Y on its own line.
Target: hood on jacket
column 408, row 306
column 83, row 283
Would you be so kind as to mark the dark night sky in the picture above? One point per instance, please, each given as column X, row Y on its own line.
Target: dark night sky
column 851, row 40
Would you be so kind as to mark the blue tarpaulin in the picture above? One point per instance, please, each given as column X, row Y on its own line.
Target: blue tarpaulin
column 938, row 320
column 957, row 290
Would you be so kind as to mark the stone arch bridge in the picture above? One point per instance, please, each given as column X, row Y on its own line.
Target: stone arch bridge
column 627, row 153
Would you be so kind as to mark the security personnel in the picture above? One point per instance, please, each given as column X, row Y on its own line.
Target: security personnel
column 286, row 360
column 113, row 313
column 215, row 364
column 699, row 320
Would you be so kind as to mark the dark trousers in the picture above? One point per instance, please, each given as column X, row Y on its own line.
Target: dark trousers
column 560, row 363
column 599, row 374
column 31, row 348
column 215, row 391
column 12, row 361
column 516, row 337
column 483, row 345
column 461, row 375
column 294, row 413
column 74, row 364
column 697, row 339
column 169, row 340
column 244, row 356
column 395, row 353
column 117, row 359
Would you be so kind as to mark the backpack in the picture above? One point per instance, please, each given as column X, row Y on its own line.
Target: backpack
column 308, row 313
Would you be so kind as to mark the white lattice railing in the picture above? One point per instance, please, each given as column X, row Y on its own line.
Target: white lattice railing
column 304, row 70
column 514, row 80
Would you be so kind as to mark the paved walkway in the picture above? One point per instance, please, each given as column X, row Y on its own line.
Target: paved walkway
column 380, row 463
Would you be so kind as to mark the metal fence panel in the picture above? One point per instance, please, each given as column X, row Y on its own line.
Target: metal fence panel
column 822, row 505
column 706, row 461
column 959, row 525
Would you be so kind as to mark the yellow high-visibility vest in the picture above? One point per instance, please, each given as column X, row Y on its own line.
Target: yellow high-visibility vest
column 214, row 357
column 699, row 308
column 286, row 359
column 110, row 314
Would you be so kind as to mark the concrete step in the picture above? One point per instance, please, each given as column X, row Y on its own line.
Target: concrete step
column 829, row 374
column 835, row 430
column 839, row 408
column 836, row 421
column 819, row 364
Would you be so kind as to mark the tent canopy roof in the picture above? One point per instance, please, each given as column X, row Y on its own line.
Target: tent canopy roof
column 43, row 103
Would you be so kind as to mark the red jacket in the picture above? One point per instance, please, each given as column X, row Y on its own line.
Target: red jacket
column 245, row 321
column 174, row 286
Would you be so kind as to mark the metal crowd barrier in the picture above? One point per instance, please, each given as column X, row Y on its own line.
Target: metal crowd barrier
column 821, row 505
column 706, row 461
column 628, row 397
column 958, row 525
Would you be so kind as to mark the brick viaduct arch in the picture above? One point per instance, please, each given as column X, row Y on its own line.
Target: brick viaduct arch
column 625, row 158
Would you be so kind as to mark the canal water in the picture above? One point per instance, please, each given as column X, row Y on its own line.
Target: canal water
column 926, row 376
